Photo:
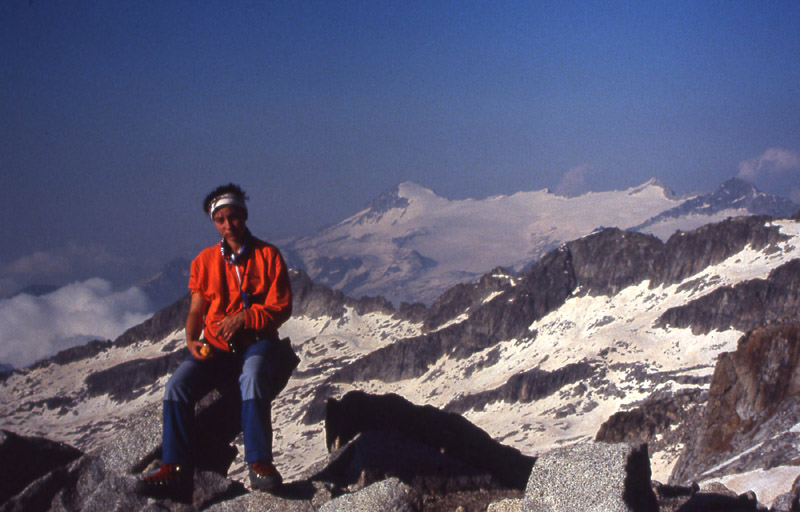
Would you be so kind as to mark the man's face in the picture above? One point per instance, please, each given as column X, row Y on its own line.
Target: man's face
column 230, row 222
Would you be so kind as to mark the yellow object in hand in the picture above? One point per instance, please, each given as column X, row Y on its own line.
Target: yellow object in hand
column 205, row 349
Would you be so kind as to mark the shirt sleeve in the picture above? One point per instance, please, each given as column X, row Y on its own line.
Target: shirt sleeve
column 277, row 305
column 198, row 277
column 195, row 276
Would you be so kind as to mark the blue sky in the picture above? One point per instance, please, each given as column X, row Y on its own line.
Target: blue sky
column 116, row 118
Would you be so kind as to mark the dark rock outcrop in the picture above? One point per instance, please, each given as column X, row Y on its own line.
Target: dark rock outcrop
column 464, row 297
column 158, row 326
column 76, row 353
column 88, row 485
column 25, row 459
column 314, row 300
column 653, row 417
column 687, row 253
column 374, row 455
column 444, row 433
column 754, row 400
column 745, row 306
column 524, row 387
column 612, row 259
column 128, row 380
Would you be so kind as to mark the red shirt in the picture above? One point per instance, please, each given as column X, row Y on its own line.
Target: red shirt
column 265, row 279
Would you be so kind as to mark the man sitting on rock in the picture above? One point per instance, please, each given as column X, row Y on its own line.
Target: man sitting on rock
column 240, row 295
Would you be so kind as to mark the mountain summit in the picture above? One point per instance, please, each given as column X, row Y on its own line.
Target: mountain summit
column 734, row 197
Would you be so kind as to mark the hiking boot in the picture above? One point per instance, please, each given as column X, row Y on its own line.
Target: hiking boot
column 264, row 476
column 170, row 481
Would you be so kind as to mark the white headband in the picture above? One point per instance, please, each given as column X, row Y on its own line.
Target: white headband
column 226, row 200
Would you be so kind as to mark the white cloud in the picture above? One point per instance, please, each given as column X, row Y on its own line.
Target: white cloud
column 772, row 163
column 56, row 266
column 573, row 182
column 37, row 327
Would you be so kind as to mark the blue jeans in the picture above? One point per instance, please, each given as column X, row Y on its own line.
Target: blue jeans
column 195, row 378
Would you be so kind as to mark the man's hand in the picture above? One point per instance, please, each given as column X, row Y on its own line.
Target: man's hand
column 230, row 325
column 194, row 348
column 194, row 325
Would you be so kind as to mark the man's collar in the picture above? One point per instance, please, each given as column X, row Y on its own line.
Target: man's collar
column 229, row 255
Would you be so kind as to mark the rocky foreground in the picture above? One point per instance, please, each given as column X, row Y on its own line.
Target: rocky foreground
column 389, row 454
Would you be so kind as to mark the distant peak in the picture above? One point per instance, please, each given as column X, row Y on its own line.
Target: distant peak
column 392, row 198
column 654, row 183
column 738, row 184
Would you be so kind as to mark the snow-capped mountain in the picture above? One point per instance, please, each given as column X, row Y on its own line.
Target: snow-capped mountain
column 411, row 244
column 611, row 324
column 733, row 198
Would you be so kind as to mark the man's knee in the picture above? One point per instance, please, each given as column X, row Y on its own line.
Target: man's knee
column 178, row 390
column 254, row 382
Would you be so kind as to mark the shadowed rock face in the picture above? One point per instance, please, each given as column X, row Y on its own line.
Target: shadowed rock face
column 76, row 353
column 613, row 259
column 525, row 387
column 464, row 297
column 314, row 300
column 762, row 373
column 685, row 254
column 645, row 422
column 159, row 325
column 755, row 392
column 445, row 433
column 744, row 306
column 128, row 380
column 24, row 459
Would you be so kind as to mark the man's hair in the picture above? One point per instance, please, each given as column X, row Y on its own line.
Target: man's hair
column 230, row 188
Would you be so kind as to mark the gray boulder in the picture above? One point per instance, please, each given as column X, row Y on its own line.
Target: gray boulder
column 505, row 505
column 591, row 477
column 389, row 494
